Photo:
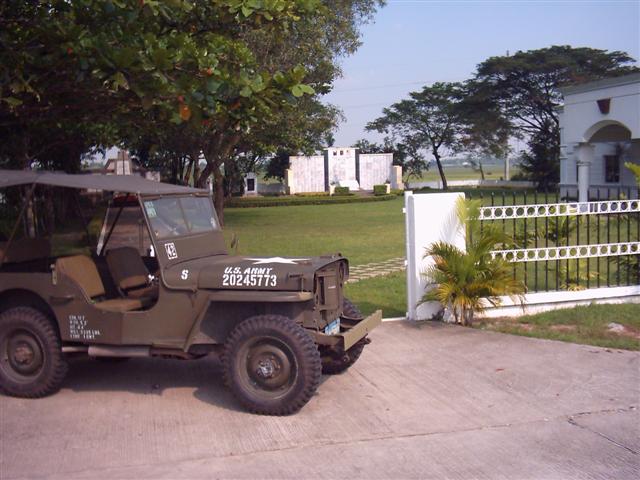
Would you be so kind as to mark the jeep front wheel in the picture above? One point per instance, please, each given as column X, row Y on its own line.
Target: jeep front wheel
column 271, row 365
column 31, row 360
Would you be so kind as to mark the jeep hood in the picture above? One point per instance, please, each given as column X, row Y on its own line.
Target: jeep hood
column 227, row 272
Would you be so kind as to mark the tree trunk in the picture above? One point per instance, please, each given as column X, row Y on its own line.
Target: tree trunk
column 441, row 171
column 216, row 153
column 213, row 168
column 467, row 317
column 187, row 176
column 218, row 194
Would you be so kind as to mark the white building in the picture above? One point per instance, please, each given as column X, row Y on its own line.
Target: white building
column 342, row 166
column 599, row 132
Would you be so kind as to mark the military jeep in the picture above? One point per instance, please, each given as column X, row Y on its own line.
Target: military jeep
column 162, row 284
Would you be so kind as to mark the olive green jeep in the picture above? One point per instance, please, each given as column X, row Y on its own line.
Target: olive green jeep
column 161, row 283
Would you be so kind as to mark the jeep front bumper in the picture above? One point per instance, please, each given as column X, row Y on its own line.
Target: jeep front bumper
column 350, row 334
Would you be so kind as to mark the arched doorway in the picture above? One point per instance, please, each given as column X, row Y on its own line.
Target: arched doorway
column 611, row 146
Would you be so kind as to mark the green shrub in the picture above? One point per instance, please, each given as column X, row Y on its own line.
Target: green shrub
column 341, row 191
column 397, row 191
column 380, row 189
column 286, row 201
column 312, row 194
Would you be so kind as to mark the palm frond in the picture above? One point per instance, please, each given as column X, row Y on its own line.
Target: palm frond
column 464, row 278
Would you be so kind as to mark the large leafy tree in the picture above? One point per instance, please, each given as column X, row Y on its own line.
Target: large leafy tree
column 524, row 88
column 429, row 121
column 113, row 70
column 88, row 62
column 290, row 118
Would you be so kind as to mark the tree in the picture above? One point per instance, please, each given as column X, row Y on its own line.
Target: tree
column 365, row 146
column 525, row 89
column 221, row 67
column 287, row 116
column 486, row 130
column 316, row 41
column 83, row 62
column 428, row 121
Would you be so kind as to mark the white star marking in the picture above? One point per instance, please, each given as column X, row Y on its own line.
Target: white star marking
column 290, row 261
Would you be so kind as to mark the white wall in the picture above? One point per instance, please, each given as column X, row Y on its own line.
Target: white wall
column 308, row 173
column 342, row 165
column 429, row 217
column 581, row 119
column 581, row 111
column 375, row 169
column 597, row 177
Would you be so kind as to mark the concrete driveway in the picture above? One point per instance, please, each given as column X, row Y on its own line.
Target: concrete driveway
column 428, row 401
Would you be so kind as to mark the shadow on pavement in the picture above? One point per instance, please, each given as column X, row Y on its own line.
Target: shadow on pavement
column 152, row 376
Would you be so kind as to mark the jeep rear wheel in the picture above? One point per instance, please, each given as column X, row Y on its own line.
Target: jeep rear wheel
column 271, row 365
column 332, row 362
column 31, row 360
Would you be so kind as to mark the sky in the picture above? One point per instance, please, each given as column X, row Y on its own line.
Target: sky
column 417, row 42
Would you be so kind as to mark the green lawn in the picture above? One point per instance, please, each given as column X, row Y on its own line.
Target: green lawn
column 388, row 293
column 587, row 325
column 363, row 232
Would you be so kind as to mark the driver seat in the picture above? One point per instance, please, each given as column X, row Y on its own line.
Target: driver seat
column 130, row 275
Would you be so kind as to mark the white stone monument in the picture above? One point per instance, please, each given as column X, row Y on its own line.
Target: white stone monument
column 250, row 185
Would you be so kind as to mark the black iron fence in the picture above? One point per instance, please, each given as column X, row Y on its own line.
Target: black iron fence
column 564, row 245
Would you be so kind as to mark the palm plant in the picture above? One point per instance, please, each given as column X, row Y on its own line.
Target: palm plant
column 465, row 278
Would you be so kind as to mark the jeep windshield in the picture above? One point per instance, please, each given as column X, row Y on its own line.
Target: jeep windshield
column 177, row 216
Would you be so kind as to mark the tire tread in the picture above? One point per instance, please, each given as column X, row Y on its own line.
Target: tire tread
column 311, row 368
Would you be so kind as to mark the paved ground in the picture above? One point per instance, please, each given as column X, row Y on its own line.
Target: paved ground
column 376, row 269
column 430, row 401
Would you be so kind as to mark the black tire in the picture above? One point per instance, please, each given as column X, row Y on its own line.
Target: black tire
column 271, row 365
column 333, row 363
column 31, row 361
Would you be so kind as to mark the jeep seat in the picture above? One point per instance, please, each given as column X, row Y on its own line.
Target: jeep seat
column 131, row 275
column 83, row 271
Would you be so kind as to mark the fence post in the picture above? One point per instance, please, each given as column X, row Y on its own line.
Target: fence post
column 429, row 218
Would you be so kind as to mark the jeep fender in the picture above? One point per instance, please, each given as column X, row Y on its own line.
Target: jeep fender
column 212, row 327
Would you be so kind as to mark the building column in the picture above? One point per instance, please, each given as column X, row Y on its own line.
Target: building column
column 584, row 152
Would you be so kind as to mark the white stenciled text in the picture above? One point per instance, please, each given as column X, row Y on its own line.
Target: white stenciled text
column 249, row 277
